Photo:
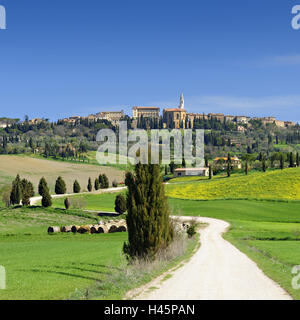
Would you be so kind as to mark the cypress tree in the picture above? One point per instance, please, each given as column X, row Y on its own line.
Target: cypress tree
column 101, row 181
column 16, row 191
column 264, row 167
column 60, row 186
column 210, row 172
column 291, row 160
column 281, row 162
column 97, row 184
column 228, row 169
column 183, row 163
column 42, row 186
column 246, row 167
column 26, row 195
column 147, row 213
column 105, row 181
column 67, row 203
column 120, row 204
column 76, row 187
column 297, row 160
column 46, row 199
column 89, row 186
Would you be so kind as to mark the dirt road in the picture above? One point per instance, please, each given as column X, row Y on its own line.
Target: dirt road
column 217, row 271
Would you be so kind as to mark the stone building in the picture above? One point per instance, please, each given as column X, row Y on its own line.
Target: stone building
column 145, row 112
column 175, row 117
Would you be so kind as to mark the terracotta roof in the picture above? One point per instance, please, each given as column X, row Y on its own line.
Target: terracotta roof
column 175, row 109
column 145, row 108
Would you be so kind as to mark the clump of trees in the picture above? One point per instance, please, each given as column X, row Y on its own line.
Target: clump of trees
column 148, row 222
column 21, row 192
column 103, row 181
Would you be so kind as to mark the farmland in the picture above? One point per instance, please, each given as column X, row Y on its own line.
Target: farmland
column 275, row 184
column 34, row 168
column 67, row 265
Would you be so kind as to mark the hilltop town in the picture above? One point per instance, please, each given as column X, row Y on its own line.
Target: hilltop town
column 177, row 117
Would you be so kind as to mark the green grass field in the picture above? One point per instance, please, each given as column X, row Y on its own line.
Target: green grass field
column 275, row 184
column 67, row 266
column 104, row 201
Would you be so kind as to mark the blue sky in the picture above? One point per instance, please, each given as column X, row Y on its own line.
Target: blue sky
column 66, row 57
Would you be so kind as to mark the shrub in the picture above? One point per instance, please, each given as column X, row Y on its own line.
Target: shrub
column 120, row 204
column 46, row 199
column 76, row 187
column 115, row 184
column 60, row 186
column 67, row 203
column 97, row 184
column 89, row 186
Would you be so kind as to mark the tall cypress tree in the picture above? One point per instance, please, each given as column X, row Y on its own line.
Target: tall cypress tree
column 297, row 160
column 281, row 162
column 246, row 167
column 147, row 213
column 42, row 186
column 16, row 191
column 210, row 172
column 292, row 163
column 90, row 186
column 101, row 181
column 97, row 184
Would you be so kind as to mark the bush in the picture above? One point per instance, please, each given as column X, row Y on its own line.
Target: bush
column 191, row 230
column 60, row 186
column 90, row 187
column 76, row 187
column 46, row 200
column 67, row 203
column 120, row 204
column 97, row 184
column 115, row 184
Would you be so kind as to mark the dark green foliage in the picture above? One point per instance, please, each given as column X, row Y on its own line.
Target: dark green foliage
column 104, row 182
column 246, row 167
column 16, row 191
column 46, row 199
column 210, row 172
column 101, row 181
column 42, row 186
column 97, row 184
column 89, row 186
column 183, row 163
column 281, row 162
column 297, row 160
column 147, row 213
column 67, row 203
column 60, row 186
column 264, row 166
column 228, row 169
column 120, row 204
column 292, row 161
column 115, row 183
column 76, row 187
column 191, row 230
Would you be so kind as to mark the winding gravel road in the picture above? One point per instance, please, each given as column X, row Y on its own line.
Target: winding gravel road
column 217, row 271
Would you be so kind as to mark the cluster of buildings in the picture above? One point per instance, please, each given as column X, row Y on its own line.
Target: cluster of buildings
column 173, row 117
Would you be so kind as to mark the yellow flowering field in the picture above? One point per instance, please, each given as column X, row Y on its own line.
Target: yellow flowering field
column 276, row 184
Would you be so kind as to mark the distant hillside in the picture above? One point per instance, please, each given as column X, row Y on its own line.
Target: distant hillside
column 33, row 169
column 275, row 184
